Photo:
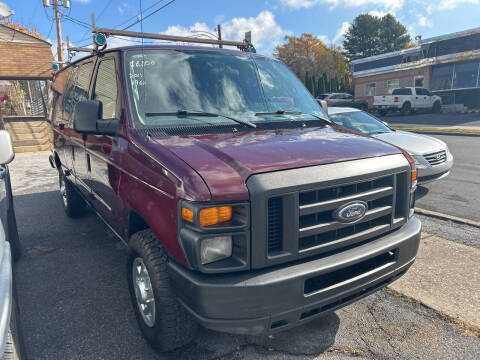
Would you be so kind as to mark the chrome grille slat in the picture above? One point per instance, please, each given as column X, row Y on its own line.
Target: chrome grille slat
column 335, row 203
column 436, row 158
column 377, row 230
column 335, row 225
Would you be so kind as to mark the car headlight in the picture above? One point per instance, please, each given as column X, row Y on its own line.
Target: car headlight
column 215, row 249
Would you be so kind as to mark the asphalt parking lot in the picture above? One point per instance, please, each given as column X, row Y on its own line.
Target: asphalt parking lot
column 459, row 193
column 74, row 299
column 429, row 119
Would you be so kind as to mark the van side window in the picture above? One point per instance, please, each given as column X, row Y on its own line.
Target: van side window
column 106, row 88
column 83, row 81
column 68, row 96
column 77, row 89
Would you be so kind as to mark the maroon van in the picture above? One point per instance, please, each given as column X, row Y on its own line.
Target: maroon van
column 244, row 208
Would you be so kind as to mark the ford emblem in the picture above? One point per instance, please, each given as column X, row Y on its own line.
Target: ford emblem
column 351, row 212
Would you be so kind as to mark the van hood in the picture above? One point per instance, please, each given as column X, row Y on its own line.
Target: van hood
column 225, row 161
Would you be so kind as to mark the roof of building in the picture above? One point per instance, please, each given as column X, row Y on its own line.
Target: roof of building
column 418, row 47
column 24, row 56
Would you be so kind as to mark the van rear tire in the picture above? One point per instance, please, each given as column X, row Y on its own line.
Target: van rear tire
column 164, row 322
column 406, row 109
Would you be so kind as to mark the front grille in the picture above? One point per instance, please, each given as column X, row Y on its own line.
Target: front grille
column 319, row 232
column 436, row 158
column 274, row 225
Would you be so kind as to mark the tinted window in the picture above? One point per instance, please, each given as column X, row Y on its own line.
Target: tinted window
column 420, row 91
column 106, row 88
column 68, row 98
column 402, row 91
column 77, row 89
column 465, row 75
column 442, row 77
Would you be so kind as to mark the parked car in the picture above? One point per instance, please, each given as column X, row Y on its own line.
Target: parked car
column 406, row 100
column 432, row 156
column 343, row 99
column 10, row 347
column 231, row 188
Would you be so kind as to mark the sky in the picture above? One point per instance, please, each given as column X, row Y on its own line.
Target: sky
column 269, row 20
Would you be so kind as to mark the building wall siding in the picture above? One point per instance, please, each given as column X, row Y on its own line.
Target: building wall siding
column 405, row 78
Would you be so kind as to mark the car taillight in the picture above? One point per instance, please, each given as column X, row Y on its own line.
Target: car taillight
column 395, row 99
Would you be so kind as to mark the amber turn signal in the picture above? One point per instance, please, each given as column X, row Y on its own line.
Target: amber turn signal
column 414, row 176
column 215, row 215
column 187, row 214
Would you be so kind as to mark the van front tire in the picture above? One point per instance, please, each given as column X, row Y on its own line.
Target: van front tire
column 166, row 324
column 72, row 202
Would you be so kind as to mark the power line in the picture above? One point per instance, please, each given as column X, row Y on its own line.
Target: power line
column 137, row 15
column 147, row 16
column 76, row 21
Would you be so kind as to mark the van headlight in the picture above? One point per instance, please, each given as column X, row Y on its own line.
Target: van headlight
column 215, row 248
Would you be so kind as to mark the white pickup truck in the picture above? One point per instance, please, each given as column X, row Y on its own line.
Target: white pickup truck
column 406, row 100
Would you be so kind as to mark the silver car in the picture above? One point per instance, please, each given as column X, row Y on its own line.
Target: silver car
column 10, row 341
column 431, row 155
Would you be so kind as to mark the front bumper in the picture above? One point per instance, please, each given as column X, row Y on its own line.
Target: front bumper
column 272, row 299
column 5, row 290
column 431, row 173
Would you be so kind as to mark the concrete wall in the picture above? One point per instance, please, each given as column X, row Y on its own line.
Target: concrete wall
column 405, row 77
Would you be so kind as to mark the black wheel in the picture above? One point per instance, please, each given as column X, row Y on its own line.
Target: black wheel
column 437, row 107
column 406, row 109
column 382, row 112
column 72, row 202
column 164, row 322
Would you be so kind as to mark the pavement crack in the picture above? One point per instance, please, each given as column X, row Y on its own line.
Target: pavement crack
column 386, row 333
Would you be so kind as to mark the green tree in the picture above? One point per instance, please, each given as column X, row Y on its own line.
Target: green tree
column 370, row 35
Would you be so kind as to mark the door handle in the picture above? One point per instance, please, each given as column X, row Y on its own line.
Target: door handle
column 106, row 148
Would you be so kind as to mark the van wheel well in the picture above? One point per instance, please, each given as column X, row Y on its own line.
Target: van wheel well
column 58, row 163
column 135, row 223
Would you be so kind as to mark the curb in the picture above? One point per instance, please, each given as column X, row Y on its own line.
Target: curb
column 447, row 217
column 464, row 327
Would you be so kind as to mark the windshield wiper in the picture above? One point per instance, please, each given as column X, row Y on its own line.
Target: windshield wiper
column 201, row 113
column 293, row 112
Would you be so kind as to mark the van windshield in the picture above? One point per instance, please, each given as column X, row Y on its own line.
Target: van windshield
column 184, row 87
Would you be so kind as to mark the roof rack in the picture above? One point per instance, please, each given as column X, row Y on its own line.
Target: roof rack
column 72, row 50
column 100, row 36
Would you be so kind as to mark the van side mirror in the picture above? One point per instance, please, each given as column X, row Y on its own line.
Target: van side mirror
column 6, row 148
column 87, row 119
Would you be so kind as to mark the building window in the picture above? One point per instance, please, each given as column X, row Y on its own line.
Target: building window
column 370, row 89
column 442, row 77
column 465, row 75
column 392, row 85
column 418, row 82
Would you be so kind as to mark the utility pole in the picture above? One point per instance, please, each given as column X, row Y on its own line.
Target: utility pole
column 59, row 31
column 219, row 29
column 55, row 4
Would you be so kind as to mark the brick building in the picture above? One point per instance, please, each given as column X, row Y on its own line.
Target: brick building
column 25, row 68
column 447, row 65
